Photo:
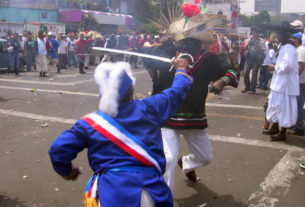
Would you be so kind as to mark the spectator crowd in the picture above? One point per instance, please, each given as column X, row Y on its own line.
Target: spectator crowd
column 36, row 52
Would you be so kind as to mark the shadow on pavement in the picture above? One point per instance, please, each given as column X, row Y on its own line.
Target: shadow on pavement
column 204, row 195
column 3, row 99
column 8, row 202
column 294, row 140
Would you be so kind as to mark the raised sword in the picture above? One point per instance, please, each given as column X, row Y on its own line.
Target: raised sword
column 163, row 59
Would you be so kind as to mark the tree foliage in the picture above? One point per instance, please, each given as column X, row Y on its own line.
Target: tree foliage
column 259, row 21
column 146, row 10
column 89, row 23
column 262, row 17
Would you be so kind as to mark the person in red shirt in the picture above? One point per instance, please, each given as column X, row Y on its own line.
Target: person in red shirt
column 80, row 51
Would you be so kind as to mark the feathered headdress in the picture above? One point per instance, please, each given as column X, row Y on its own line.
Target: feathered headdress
column 189, row 22
column 114, row 79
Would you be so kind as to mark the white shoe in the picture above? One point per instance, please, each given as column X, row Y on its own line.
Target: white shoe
column 302, row 165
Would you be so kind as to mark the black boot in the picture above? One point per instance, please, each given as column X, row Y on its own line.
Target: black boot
column 273, row 130
column 58, row 69
column 190, row 175
column 281, row 136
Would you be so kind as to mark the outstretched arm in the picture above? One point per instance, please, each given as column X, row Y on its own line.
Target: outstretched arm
column 167, row 103
column 65, row 148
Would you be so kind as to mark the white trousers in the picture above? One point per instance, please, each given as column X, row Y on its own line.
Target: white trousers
column 97, row 59
column 146, row 200
column 282, row 109
column 87, row 60
column 41, row 63
column 198, row 144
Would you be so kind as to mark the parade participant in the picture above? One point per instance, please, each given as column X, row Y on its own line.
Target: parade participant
column 41, row 46
column 282, row 104
column 191, row 120
column 80, row 51
column 123, row 139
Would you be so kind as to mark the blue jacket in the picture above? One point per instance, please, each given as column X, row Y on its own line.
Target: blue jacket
column 141, row 118
column 54, row 48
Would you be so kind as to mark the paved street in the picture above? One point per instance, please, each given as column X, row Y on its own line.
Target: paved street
column 247, row 169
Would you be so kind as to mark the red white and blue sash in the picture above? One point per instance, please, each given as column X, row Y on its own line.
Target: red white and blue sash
column 113, row 131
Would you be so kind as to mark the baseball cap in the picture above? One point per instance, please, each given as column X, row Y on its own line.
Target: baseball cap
column 297, row 24
column 297, row 35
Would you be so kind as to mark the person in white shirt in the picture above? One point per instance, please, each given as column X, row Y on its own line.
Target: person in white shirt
column 62, row 51
column 269, row 60
column 71, row 50
column 41, row 46
column 282, row 104
column 299, row 127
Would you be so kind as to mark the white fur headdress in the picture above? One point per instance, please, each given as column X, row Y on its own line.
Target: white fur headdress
column 114, row 79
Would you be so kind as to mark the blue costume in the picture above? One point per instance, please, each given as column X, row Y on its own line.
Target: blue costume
column 54, row 48
column 122, row 177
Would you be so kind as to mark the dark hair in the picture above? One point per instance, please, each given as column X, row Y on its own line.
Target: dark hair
column 128, row 94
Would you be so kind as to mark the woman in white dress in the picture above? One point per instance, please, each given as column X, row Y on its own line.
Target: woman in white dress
column 282, row 105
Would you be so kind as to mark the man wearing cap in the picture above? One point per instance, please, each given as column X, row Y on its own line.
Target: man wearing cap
column 299, row 127
column 123, row 139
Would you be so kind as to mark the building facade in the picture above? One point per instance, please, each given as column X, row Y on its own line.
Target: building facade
column 251, row 7
column 269, row 5
column 29, row 15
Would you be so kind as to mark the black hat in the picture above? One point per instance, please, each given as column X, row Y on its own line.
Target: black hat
column 283, row 27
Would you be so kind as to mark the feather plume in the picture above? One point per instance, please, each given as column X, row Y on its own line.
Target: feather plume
column 108, row 77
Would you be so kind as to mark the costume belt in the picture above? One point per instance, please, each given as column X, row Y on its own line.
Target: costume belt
column 91, row 198
column 150, row 170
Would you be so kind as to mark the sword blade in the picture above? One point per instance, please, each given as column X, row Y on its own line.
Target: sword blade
column 125, row 52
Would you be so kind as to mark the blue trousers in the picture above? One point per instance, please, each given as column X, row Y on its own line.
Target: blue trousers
column 124, row 189
column 264, row 76
column 301, row 100
column 14, row 62
column 71, row 58
column 29, row 61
